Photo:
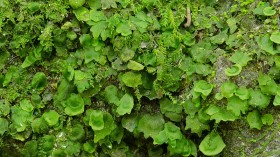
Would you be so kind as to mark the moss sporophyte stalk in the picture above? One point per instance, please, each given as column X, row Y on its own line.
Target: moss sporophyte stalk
column 139, row 78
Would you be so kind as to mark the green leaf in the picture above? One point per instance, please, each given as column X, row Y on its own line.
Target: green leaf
column 39, row 81
column 234, row 70
column 267, row 119
column 39, row 125
column 125, row 105
column 268, row 11
column 203, row 87
column 151, row 125
column 26, row 105
column 266, row 44
column 196, row 125
column 228, row 89
column 258, row 99
column 212, row 144
column 232, row 25
column 129, row 122
column 127, row 54
column 182, row 147
column 131, row 79
column 108, row 128
column 74, row 105
column 134, row 65
column 275, row 37
column 98, row 28
column 51, row 117
column 123, row 29
column 82, row 13
column 240, row 58
column 237, row 105
column 3, row 126
column 254, row 120
column 96, row 120
column 220, row 114
column 111, row 94
column 172, row 131
column 106, row 4
column 267, row 84
column 76, row 3
column 276, row 101
column 260, row 8
column 242, row 93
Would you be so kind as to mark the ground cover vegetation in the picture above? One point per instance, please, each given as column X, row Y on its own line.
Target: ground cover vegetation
column 134, row 77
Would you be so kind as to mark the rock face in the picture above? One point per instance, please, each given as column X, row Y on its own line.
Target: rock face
column 242, row 141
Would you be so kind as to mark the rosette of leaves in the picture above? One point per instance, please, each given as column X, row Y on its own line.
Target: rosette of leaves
column 74, row 105
column 212, row 144
column 171, row 110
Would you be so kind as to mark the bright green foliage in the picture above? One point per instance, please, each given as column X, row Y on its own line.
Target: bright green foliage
column 39, row 125
column 212, row 144
column 125, row 105
column 170, row 133
column 195, row 125
column 111, row 94
column 132, row 79
column 275, row 37
column 74, row 105
column 266, row 44
column 242, row 93
column 276, row 101
column 267, row 119
column 108, row 128
column 51, row 117
column 268, row 11
column 134, row 65
column 151, row 125
column 254, row 120
column 96, row 120
column 203, row 87
column 236, row 105
column 219, row 114
column 228, row 89
column 240, row 58
column 76, row 3
column 258, row 99
column 234, row 70
column 267, row 84
column 26, row 105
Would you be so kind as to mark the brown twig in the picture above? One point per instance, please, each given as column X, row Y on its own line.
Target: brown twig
column 188, row 17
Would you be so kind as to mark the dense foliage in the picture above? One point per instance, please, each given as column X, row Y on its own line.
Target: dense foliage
column 127, row 78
